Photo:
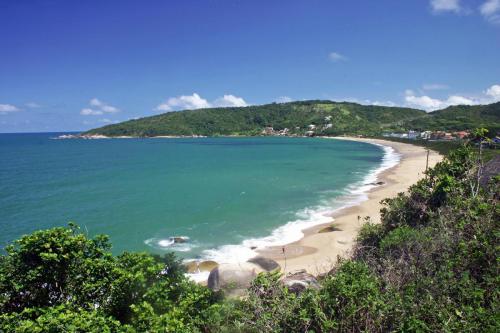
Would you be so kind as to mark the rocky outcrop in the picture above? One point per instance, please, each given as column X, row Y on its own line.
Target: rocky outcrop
column 377, row 183
column 179, row 239
column 329, row 228
column 201, row 266
column 265, row 263
column 233, row 279
column 300, row 280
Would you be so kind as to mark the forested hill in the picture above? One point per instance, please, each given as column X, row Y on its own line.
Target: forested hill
column 251, row 120
column 460, row 117
column 329, row 118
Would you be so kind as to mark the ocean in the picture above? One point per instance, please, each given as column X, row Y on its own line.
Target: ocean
column 222, row 195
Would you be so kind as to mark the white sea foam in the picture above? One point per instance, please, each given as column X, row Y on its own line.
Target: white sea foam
column 170, row 244
column 309, row 217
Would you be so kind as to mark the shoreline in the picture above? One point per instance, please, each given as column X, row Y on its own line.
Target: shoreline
column 316, row 247
column 317, row 252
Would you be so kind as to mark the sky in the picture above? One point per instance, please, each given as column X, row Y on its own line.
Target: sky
column 68, row 65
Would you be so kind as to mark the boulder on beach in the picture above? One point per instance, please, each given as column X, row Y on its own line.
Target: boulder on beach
column 300, row 280
column 329, row 228
column 233, row 279
column 200, row 266
column 377, row 183
column 265, row 263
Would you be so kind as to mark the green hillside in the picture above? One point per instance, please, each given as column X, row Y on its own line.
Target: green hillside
column 460, row 117
column 251, row 120
column 344, row 118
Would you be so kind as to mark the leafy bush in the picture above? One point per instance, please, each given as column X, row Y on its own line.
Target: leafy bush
column 59, row 280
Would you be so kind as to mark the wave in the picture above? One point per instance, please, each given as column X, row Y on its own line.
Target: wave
column 171, row 244
column 307, row 218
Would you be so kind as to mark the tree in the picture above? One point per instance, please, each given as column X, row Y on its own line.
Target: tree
column 58, row 279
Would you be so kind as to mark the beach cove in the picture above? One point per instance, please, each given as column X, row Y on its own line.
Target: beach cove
column 317, row 251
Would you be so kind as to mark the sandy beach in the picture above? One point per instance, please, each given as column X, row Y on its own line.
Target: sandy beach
column 317, row 252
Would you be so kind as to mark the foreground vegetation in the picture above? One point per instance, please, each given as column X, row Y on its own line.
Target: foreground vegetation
column 431, row 265
column 330, row 118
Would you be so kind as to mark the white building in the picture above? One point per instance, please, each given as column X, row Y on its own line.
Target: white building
column 413, row 135
column 426, row 135
column 327, row 126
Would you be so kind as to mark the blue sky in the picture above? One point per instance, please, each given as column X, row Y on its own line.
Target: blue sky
column 72, row 65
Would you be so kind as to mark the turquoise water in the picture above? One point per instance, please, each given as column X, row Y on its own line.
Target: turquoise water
column 216, row 191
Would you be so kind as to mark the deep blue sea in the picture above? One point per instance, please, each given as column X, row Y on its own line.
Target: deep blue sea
column 224, row 194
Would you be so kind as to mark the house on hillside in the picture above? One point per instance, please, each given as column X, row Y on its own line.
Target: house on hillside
column 425, row 135
column 268, row 131
column 413, row 135
column 283, row 132
column 461, row 134
column 396, row 135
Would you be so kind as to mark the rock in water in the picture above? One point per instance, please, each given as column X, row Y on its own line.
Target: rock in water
column 299, row 281
column 233, row 279
column 179, row 239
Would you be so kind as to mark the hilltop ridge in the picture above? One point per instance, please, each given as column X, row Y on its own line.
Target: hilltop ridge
column 322, row 117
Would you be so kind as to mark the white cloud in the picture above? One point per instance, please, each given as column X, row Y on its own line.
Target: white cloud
column 460, row 100
column 490, row 9
column 424, row 102
column 95, row 102
column 435, row 86
column 439, row 6
column 163, row 107
column 383, row 103
column 90, row 112
column 33, row 105
column 98, row 107
column 195, row 101
column 109, row 109
column 491, row 95
column 336, row 57
column 8, row 108
column 493, row 92
column 283, row 99
column 107, row 121
column 229, row 101
column 189, row 102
